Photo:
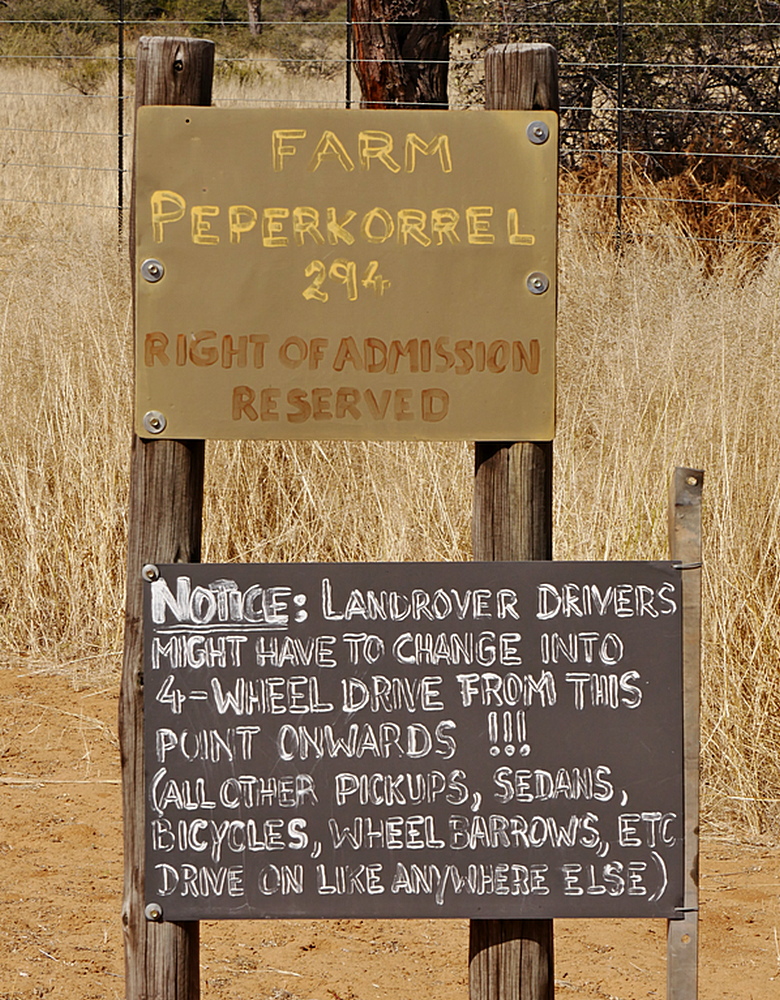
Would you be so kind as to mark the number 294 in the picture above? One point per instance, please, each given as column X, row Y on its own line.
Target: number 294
column 342, row 272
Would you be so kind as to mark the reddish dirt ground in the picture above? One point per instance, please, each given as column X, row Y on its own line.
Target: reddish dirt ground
column 60, row 891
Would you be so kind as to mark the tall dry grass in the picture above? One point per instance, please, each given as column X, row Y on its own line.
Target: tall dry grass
column 667, row 357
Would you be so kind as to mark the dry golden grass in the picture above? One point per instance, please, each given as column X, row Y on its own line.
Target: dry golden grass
column 666, row 358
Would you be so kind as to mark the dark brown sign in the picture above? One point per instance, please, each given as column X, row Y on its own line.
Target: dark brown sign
column 395, row 740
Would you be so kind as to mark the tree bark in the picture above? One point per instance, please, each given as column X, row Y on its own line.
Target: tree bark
column 402, row 50
column 254, row 10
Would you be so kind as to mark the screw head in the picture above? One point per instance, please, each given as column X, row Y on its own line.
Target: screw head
column 152, row 270
column 537, row 283
column 154, row 422
column 538, row 133
column 150, row 572
column 153, row 911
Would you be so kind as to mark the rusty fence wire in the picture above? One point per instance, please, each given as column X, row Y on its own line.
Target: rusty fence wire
column 669, row 129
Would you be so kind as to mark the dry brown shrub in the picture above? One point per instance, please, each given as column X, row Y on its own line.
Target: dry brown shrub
column 717, row 211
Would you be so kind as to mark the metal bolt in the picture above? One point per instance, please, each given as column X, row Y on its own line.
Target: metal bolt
column 153, row 911
column 150, row 572
column 152, row 270
column 538, row 133
column 537, row 283
column 155, row 422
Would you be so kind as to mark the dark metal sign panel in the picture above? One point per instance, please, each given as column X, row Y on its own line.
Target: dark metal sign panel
column 384, row 275
column 397, row 740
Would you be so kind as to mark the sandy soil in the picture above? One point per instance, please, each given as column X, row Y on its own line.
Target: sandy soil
column 60, row 889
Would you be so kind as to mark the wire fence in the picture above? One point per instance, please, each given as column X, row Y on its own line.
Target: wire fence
column 668, row 129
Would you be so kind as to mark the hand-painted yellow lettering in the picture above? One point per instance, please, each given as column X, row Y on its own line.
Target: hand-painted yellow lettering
column 412, row 222
column 280, row 147
column 373, row 279
column 444, row 223
column 272, row 226
column 241, row 219
column 306, row 220
column 201, row 228
column 439, row 144
column 337, row 227
column 376, row 145
column 345, row 273
column 161, row 217
column 154, row 349
column 516, row 238
column 478, row 224
column 385, row 218
column 316, row 270
column 330, row 148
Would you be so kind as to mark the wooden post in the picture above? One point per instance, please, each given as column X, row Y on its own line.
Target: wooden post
column 165, row 514
column 513, row 959
column 685, row 545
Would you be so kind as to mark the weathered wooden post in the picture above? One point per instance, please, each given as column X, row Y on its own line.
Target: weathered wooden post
column 685, row 544
column 513, row 959
column 166, row 495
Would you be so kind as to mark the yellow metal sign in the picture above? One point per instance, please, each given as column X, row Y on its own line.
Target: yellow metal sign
column 345, row 275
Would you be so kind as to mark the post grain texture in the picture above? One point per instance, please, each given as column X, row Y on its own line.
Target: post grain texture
column 512, row 520
column 164, row 525
column 685, row 543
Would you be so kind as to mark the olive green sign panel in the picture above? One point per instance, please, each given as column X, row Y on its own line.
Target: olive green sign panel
column 345, row 274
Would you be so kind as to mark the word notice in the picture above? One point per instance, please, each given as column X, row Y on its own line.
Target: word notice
column 486, row 740
column 332, row 274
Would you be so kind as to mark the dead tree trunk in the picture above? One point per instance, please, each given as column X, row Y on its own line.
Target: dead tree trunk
column 402, row 50
column 254, row 9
